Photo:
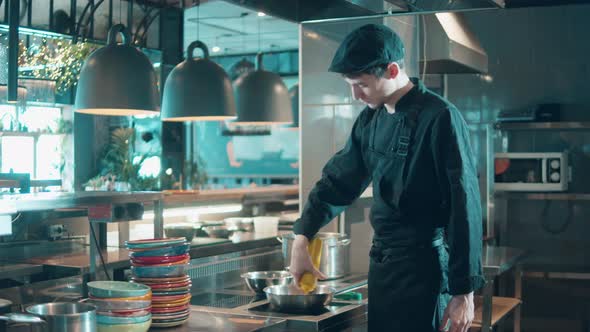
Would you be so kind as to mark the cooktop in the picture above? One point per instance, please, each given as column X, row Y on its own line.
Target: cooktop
column 268, row 308
column 221, row 300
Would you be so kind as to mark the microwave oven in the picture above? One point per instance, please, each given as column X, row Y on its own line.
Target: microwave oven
column 531, row 171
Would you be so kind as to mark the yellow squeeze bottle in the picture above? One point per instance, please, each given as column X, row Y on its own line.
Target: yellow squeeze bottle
column 308, row 280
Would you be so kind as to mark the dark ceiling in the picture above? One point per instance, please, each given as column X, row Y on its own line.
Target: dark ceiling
column 304, row 10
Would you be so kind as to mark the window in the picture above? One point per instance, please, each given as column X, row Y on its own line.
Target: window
column 18, row 154
column 34, row 140
column 7, row 117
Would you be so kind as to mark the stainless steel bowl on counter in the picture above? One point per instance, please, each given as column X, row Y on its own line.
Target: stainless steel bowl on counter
column 289, row 299
column 259, row 280
column 241, row 223
column 198, row 227
column 217, row 231
column 58, row 317
column 180, row 230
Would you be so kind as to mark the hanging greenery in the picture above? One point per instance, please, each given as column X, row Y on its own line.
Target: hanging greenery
column 55, row 59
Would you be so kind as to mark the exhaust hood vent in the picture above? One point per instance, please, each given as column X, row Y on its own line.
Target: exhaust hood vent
column 450, row 47
column 444, row 5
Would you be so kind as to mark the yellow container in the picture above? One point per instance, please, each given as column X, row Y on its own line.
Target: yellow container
column 308, row 280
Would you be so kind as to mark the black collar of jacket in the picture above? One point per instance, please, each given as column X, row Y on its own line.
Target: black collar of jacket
column 411, row 102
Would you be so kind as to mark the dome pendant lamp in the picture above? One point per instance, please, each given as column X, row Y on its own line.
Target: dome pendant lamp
column 262, row 98
column 198, row 90
column 117, row 79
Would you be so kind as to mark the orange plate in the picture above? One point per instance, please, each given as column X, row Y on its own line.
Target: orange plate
column 170, row 298
column 182, row 262
column 170, row 285
column 170, row 304
column 145, row 297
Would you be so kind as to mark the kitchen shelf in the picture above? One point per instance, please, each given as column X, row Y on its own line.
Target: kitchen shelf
column 26, row 133
column 542, row 125
column 545, row 196
column 501, row 307
column 10, row 270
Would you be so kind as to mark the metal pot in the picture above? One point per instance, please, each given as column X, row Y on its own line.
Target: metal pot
column 291, row 300
column 58, row 317
column 221, row 232
column 335, row 261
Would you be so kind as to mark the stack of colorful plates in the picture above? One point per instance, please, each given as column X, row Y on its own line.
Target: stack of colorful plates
column 162, row 264
column 121, row 306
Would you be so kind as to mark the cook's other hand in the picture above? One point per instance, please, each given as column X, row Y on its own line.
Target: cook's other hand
column 459, row 313
column 301, row 260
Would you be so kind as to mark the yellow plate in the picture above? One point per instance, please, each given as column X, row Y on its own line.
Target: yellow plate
column 146, row 297
column 170, row 304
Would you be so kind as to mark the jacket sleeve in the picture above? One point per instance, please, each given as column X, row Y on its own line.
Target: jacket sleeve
column 457, row 175
column 344, row 178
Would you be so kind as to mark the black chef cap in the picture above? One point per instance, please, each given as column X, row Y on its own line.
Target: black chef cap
column 366, row 47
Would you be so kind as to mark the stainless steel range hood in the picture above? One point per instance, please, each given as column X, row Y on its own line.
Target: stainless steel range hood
column 449, row 47
column 446, row 5
column 314, row 10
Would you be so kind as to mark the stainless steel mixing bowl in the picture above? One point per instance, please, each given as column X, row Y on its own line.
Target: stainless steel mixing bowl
column 258, row 280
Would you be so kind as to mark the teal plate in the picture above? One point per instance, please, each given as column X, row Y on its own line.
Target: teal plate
column 109, row 289
column 154, row 243
column 171, row 250
column 114, row 320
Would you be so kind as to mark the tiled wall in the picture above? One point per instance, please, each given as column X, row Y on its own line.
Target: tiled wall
column 535, row 55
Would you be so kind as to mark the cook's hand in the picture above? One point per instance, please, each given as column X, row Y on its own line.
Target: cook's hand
column 301, row 260
column 460, row 313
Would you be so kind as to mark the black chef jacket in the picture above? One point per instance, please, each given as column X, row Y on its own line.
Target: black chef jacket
column 434, row 188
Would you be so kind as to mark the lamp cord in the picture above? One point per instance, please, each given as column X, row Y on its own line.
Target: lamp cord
column 198, row 19
column 259, row 50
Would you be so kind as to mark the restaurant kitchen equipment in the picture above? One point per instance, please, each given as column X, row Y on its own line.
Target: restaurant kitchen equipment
column 335, row 253
column 531, row 171
column 57, row 317
column 291, row 300
column 257, row 281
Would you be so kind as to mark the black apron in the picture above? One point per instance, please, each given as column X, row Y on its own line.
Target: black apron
column 408, row 287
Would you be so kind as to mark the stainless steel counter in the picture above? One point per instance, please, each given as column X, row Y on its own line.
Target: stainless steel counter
column 50, row 201
column 245, row 241
column 77, row 259
column 204, row 321
column 275, row 193
column 14, row 203
column 8, row 271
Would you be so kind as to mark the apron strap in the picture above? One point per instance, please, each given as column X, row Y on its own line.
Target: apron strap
column 408, row 126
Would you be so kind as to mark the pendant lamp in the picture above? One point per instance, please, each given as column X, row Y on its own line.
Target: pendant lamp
column 198, row 90
column 262, row 98
column 117, row 79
